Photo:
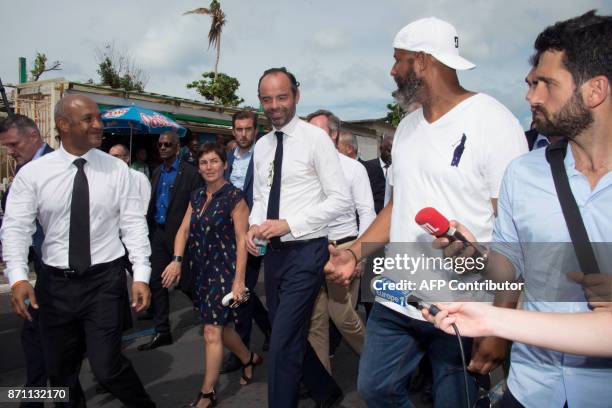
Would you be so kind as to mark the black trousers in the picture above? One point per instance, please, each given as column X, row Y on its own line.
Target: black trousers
column 293, row 277
column 31, row 343
column 254, row 308
column 36, row 369
column 87, row 314
column 162, row 248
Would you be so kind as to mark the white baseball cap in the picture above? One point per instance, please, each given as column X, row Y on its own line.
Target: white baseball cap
column 433, row 36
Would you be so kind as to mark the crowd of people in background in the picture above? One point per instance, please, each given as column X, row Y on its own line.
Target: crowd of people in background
column 298, row 203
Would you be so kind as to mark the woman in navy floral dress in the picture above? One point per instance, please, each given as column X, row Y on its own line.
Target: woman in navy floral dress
column 216, row 222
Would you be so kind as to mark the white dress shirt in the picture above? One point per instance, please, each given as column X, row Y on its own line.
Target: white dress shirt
column 313, row 190
column 361, row 200
column 141, row 183
column 43, row 190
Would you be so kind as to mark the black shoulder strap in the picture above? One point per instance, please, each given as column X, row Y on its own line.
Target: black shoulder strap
column 555, row 155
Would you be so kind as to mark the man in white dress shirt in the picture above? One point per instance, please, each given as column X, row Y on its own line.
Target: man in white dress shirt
column 296, row 194
column 82, row 198
column 139, row 180
column 347, row 145
column 336, row 301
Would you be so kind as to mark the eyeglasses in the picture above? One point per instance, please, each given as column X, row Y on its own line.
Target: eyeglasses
column 119, row 155
column 165, row 144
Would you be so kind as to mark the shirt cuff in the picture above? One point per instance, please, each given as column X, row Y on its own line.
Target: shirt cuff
column 141, row 273
column 17, row 275
column 298, row 226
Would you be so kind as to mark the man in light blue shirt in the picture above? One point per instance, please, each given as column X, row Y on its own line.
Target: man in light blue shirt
column 571, row 98
column 242, row 160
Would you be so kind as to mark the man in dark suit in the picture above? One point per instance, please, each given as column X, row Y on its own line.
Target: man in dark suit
column 239, row 172
column 21, row 138
column 377, row 172
column 171, row 186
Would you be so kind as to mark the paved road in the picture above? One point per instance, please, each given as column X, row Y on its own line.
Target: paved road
column 172, row 374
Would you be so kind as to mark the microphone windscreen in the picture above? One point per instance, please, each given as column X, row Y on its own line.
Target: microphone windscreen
column 432, row 221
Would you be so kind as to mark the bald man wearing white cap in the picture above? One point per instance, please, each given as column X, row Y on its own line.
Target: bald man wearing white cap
column 450, row 154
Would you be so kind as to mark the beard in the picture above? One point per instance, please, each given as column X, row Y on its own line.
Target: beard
column 245, row 143
column 407, row 89
column 571, row 120
column 280, row 116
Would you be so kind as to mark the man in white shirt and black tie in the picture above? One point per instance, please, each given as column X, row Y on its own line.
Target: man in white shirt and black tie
column 296, row 194
column 82, row 198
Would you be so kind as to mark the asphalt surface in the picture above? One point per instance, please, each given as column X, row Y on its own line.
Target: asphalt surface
column 173, row 374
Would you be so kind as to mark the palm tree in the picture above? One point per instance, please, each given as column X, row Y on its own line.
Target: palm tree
column 216, row 26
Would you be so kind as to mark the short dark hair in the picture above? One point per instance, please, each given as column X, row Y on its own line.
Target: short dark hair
column 210, row 147
column 294, row 83
column 333, row 122
column 586, row 41
column 172, row 135
column 22, row 123
column 245, row 114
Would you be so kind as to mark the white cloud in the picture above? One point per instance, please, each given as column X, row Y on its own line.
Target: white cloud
column 339, row 50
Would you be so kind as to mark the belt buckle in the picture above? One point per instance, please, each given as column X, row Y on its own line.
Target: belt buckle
column 69, row 273
column 334, row 242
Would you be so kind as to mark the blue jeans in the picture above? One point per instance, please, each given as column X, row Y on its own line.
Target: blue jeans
column 394, row 345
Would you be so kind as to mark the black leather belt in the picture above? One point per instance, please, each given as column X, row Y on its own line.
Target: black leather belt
column 297, row 242
column 341, row 241
column 92, row 270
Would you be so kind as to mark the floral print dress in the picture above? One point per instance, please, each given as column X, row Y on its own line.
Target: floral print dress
column 213, row 247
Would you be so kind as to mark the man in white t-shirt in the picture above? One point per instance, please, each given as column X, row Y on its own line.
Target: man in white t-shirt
column 451, row 155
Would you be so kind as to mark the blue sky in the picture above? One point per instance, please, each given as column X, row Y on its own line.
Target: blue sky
column 340, row 50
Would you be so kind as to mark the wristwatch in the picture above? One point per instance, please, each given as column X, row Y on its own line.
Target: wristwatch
column 177, row 258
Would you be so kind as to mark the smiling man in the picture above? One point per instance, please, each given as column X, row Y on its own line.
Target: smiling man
column 296, row 194
column 82, row 198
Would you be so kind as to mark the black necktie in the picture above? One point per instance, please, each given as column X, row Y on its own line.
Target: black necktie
column 79, row 253
column 386, row 170
column 275, row 189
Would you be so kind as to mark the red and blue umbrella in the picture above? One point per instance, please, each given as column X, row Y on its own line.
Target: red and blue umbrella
column 134, row 119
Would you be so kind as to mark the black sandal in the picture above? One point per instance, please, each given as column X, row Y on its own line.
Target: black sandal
column 209, row 395
column 253, row 364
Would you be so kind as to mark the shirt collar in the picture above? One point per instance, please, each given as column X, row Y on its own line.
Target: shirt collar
column 247, row 154
column 39, row 152
column 174, row 166
column 289, row 128
column 382, row 163
column 69, row 158
column 570, row 162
